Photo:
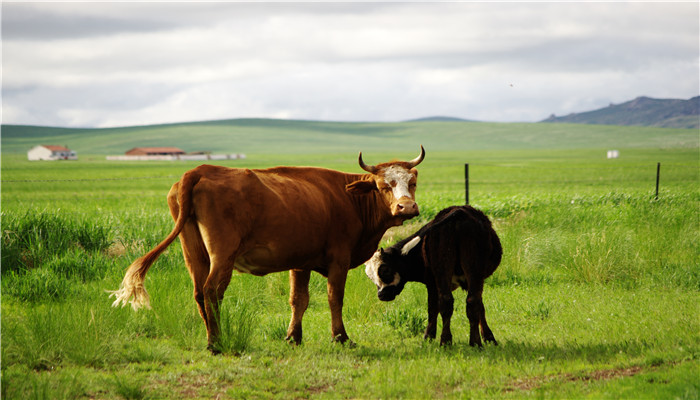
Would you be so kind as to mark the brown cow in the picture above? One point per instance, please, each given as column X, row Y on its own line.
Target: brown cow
column 300, row 219
column 457, row 248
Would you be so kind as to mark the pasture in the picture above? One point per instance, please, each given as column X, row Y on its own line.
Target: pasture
column 596, row 297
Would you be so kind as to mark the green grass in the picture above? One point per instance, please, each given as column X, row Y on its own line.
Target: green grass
column 597, row 295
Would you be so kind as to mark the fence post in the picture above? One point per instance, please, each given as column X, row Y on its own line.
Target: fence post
column 466, row 183
column 658, row 172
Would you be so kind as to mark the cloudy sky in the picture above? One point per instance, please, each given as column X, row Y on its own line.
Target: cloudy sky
column 118, row 64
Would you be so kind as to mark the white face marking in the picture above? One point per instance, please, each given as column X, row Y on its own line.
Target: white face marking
column 398, row 178
column 371, row 268
column 372, row 272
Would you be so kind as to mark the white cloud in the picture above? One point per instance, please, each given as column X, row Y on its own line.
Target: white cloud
column 109, row 64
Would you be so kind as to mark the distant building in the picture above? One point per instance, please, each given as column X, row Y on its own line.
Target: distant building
column 51, row 153
column 613, row 154
column 154, row 151
column 171, row 154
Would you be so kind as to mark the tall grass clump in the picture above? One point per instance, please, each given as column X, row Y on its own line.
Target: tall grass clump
column 625, row 239
column 237, row 321
column 604, row 257
column 35, row 238
column 50, row 335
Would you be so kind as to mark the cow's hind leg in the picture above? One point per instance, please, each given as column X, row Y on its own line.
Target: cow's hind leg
column 298, row 300
column 197, row 260
column 214, row 288
column 194, row 252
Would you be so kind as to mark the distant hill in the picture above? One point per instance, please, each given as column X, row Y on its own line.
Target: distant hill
column 270, row 136
column 438, row 118
column 642, row 111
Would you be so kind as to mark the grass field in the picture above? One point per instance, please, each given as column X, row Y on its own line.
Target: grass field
column 597, row 295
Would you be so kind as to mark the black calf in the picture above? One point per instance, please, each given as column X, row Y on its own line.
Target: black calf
column 457, row 248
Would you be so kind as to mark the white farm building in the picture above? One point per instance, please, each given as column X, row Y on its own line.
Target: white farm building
column 51, row 153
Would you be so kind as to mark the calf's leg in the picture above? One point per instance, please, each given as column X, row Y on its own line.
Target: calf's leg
column 299, row 301
column 433, row 310
column 446, row 308
column 441, row 266
column 477, row 315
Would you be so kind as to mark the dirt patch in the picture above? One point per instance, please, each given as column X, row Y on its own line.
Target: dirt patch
column 600, row 375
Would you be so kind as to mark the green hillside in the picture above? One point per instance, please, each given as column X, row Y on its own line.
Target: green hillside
column 266, row 136
column 642, row 111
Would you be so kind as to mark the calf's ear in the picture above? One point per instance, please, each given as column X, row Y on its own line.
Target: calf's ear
column 410, row 245
column 361, row 187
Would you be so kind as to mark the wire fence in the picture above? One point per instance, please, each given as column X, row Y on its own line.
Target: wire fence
column 456, row 179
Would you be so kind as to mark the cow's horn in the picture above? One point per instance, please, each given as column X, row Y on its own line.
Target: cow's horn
column 418, row 159
column 369, row 168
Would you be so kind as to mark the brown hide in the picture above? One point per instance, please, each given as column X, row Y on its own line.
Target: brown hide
column 286, row 218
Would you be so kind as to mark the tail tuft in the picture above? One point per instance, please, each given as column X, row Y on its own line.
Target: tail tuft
column 132, row 286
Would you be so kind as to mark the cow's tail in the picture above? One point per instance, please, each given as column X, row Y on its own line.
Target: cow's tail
column 132, row 285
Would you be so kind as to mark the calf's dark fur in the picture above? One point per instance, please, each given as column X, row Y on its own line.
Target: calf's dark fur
column 458, row 248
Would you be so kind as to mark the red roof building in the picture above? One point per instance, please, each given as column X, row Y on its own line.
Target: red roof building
column 154, row 151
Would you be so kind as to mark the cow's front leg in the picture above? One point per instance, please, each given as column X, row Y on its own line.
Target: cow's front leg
column 336, row 291
column 299, row 301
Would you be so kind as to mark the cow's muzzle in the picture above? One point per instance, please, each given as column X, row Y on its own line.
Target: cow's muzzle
column 405, row 208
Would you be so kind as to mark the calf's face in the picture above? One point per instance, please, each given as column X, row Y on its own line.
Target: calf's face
column 383, row 269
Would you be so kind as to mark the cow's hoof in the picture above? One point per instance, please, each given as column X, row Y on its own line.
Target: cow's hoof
column 214, row 349
column 344, row 340
column 294, row 341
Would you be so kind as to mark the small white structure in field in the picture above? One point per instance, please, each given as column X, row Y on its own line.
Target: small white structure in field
column 51, row 153
column 613, row 154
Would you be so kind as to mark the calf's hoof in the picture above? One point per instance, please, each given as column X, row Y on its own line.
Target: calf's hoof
column 445, row 341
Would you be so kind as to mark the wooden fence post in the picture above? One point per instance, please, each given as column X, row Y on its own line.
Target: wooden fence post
column 466, row 183
column 658, row 172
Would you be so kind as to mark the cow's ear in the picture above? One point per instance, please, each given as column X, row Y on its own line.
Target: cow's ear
column 410, row 245
column 361, row 187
